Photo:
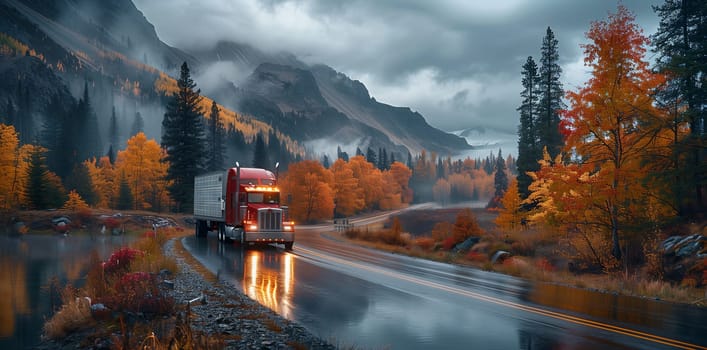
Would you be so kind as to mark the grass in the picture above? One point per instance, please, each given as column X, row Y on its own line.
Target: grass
column 75, row 314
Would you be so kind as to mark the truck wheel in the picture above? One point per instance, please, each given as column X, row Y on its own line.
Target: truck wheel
column 288, row 245
column 244, row 244
column 222, row 232
column 201, row 228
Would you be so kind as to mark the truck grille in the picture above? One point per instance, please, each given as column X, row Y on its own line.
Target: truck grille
column 270, row 219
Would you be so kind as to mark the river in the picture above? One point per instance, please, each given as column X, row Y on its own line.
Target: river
column 28, row 265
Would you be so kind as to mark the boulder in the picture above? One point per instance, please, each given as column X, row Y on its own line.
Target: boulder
column 499, row 256
column 685, row 257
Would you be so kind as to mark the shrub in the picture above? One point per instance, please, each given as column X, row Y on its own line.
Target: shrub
column 120, row 260
column 138, row 292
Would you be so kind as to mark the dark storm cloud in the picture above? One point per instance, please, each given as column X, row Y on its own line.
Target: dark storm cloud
column 457, row 62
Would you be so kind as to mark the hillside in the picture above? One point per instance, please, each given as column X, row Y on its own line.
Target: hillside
column 310, row 109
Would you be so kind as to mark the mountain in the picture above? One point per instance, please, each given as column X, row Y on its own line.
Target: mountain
column 289, row 99
column 115, row 25
column 485, row 141
column 112, row 46
column 318, row 105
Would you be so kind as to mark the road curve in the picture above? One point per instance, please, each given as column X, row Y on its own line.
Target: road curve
column 365, row 298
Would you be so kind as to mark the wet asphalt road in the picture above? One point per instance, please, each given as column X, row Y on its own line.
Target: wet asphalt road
column 363, row 298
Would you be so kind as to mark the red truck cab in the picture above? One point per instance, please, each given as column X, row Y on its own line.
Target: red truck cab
column 249, row 207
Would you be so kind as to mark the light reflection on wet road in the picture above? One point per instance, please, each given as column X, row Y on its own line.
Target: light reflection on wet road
column 369, row 299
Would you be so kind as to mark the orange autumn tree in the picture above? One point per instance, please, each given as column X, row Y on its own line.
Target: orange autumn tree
column 348, row 195
column 609, row 129
column 309, row 185
column 395, row 187
column 143, row 163
column 370, row 180
column 402, row 174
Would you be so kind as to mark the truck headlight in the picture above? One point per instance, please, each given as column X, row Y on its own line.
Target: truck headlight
column 287, row 228
column 253, row 228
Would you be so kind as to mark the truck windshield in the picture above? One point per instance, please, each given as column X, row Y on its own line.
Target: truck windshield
column 264, row 197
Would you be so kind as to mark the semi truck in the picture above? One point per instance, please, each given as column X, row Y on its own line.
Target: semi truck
column 242, row 205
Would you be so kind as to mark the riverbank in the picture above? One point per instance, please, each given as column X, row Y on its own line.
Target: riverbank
column 542, row 265
column 209, row 313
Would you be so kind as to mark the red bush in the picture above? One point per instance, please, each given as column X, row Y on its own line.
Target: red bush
column 120, row 260
column 138, row 292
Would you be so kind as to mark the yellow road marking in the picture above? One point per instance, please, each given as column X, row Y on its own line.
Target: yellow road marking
column 556, row 315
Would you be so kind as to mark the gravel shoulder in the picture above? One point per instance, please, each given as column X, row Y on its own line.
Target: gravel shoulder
column 242, row 322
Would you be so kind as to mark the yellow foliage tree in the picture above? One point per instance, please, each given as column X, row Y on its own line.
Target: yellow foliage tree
column 144, row 167
column 510, row 215
column 102, row 175
column 13, row 168
column 75, row 202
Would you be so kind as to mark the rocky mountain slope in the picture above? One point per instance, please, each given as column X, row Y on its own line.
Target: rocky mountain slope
column 313, row 105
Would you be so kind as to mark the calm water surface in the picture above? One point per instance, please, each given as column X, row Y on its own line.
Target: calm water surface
column 28, row 264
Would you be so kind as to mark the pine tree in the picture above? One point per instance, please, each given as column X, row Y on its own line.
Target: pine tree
column 215, row 140
column 325, row 162
column 277, row 151
column 138, row 125
column 500, row 181
column 8, row 116
column 548, row 121
column 112, row 133
column 341, row 154
column 44, row 189
column 23, row 115
column 80, row 181
column 52, row 131
column 260, row 154
column 528, row 154
column 89, row 142
column 371, row 156
column 183, row 139
column 125, row 197
column 681, row 42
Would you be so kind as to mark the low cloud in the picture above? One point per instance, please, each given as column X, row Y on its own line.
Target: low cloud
column 415, row 53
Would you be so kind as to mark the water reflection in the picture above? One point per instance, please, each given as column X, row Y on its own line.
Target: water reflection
column 269, row 279
column 28, row 264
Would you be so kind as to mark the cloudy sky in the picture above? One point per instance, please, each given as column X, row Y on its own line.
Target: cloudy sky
column 457, row 62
